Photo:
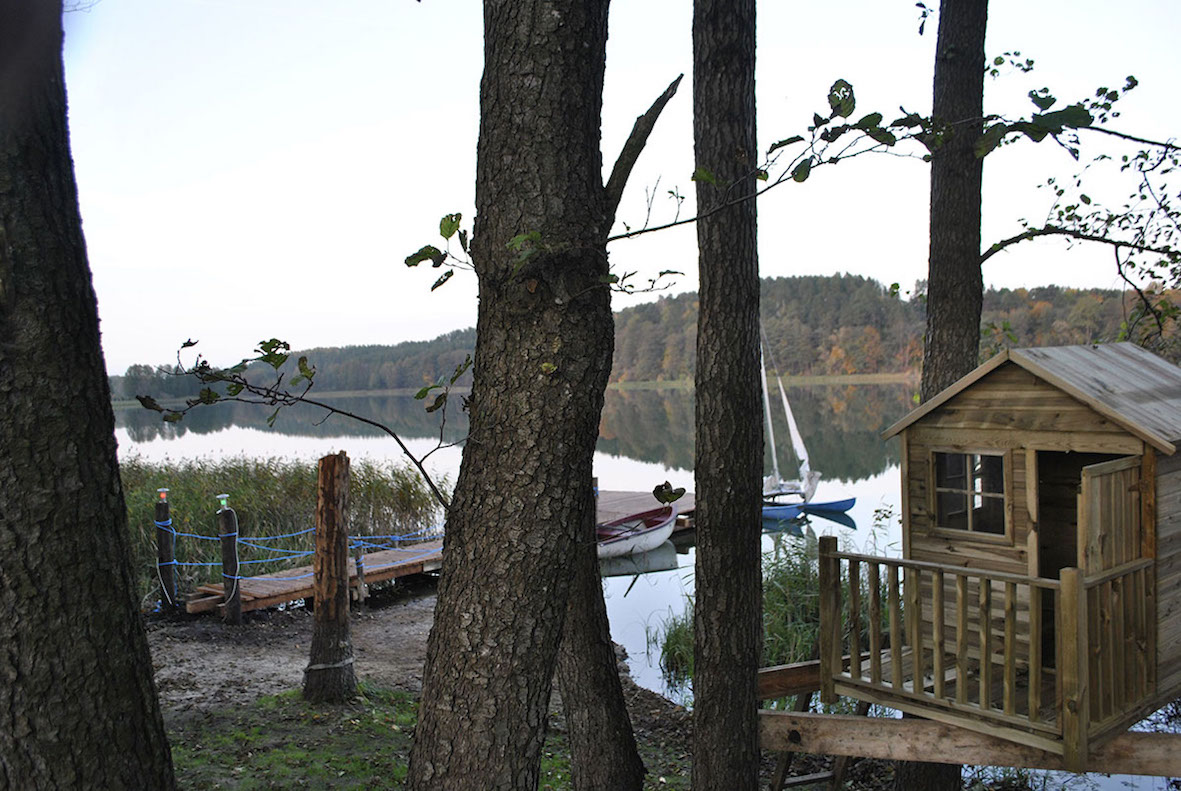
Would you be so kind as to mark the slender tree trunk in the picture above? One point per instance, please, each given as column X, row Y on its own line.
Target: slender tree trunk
column 729, row 452
column 602, row 744
column 78, row 708
column 329, row 677
column 543, row 353
column 955, row 289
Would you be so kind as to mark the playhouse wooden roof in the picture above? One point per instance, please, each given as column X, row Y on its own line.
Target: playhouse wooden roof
column 1126, row 384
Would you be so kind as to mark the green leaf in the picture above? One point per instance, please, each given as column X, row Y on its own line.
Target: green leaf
column 818, row 121
column 147, row 402
column 443, row 279
column 305, row 370
column 1085, row 199
column 801, row 171
column 188, row 343
column 785, row 142
column 1042, row 99
column 427, row 253
column 908, row 121
column 438, row 403
column 762, row 175
column 991, row 138
column 1073, row 117
column 869, row 121
column 841, row 100
column 882, row 135
column 665, row 493
column 701, row 174
column 173, row 417
column 449, row 225
column 462, row 368
column 209, row 396
column 234, row 388
column 271, row 419
column 425, row 391
column 463, row 242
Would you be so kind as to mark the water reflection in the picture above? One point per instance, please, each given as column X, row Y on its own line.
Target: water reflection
column 840, row 424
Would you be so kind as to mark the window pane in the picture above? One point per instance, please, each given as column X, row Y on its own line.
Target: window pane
column 952, row 510
column 992, row 474
column 950, row 470
column 990, row 517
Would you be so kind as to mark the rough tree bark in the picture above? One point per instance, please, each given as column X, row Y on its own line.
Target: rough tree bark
column 729, row 455
column 603, row 754
column 330, row 676
column 955, row 289
column 78, row 708
column 543, row 353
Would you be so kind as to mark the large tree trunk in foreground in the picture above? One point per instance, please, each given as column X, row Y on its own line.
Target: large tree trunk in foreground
column 728, row 623
column 955, row 288
column 543, row 353
column 78, row 708
column 602, row 744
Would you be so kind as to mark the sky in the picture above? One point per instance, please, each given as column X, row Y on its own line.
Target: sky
column 251, row 169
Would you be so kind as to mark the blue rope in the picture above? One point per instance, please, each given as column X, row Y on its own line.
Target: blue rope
column 293, row 552
column 401, row 560
column 299, row 577
column 287, row 535
column 271, row 560
column 168, row 526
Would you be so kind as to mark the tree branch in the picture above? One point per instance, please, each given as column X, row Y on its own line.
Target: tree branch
column 1168, row 146
column 1054, row 230
column 632, row 149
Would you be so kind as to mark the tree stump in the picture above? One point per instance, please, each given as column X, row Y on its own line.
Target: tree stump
column 329, row 676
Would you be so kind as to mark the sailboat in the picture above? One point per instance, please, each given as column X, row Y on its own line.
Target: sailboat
column 775, row 488
column 785, row 500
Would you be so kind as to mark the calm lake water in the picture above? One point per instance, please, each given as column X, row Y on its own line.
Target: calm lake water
column 645, row 438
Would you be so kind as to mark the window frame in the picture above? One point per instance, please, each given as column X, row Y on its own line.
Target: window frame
column 1006, row 496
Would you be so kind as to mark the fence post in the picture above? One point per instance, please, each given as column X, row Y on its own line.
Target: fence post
column 227, row 528
column 329, row 676
column 1072, row 661
column 165, row 554
column 362, row 588
column 830, row 631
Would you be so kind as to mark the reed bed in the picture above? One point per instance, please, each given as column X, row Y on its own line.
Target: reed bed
column 272, row 497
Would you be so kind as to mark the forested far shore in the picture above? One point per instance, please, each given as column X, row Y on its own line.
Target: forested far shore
column 815, row 326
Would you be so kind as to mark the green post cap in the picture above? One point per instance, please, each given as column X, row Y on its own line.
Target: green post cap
column 222, row 498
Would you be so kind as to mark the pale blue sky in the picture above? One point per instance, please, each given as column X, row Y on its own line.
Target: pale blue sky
column 258, row 168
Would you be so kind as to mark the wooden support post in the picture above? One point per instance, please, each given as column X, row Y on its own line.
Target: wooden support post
column 1073, row 667
column 227, row 528
column 830, row 618
column 362, row 588
column 166, row 554
column 329, row 676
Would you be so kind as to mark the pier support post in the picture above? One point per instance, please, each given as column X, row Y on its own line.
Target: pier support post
column 166, row 554
column 329, row 677
column 227, row 524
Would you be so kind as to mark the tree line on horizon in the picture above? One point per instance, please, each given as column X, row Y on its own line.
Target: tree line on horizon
column 814, row 325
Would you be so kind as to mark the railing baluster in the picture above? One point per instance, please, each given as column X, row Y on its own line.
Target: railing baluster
column 914, row 623
column 961, row 638
column 985, row 643
column 855, row 618
column 1119, row 624
column 895, row 626
column 1035, row 653
column 873, row 580
column 1010, row 657
column 937, row 632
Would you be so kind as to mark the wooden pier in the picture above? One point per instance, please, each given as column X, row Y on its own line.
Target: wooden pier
column 281, row 587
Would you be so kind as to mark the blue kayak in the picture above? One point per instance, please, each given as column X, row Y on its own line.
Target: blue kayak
column 839, row 506
column 782, row 513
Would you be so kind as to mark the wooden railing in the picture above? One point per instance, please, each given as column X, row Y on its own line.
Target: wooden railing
column 1054, row 664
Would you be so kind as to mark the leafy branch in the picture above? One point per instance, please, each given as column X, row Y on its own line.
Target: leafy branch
column 232, row 384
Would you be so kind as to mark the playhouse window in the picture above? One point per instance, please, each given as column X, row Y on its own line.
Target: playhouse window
column 970, row 492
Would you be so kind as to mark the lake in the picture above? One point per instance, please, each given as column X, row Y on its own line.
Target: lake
column 645, row 438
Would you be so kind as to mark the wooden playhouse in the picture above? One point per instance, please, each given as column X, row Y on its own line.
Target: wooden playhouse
column 1038, row 598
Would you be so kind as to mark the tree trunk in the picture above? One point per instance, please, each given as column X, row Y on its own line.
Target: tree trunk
column 603, row 755
column 78, row 708
column 543, row 353
column 329, row 677
column 729, row 457
column 955, row 290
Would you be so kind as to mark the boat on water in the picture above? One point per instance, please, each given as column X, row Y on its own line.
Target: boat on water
column 830, row 507
column 775, row 488
column 642, row 532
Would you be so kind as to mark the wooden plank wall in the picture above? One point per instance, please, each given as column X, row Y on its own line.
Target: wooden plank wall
column 1008, row 410
column 1168, row 575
